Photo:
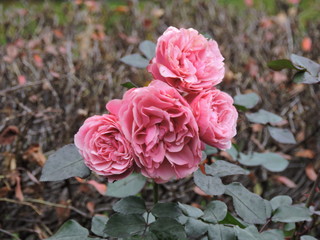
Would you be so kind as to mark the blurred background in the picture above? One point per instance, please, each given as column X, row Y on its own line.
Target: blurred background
column 60, row 64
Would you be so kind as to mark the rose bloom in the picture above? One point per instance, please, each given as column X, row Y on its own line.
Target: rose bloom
column 216, row 117
column 187, row 61
column 104, row 148
column 162, row 130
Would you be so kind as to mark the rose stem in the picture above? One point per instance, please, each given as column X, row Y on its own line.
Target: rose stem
column 155, row 192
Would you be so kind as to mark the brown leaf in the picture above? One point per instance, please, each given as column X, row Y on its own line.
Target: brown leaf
column 286, row 181
column 34, row 154
column 8, row 135
column 310, row 172
column 256, row 127
column 63, row 213
column 90, row 206
column 305, row 153
column 38, row 60
column 18, row 191
column 100, row 187
column 4, row 191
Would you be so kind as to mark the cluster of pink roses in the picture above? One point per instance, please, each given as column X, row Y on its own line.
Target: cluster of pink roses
column 160, row 130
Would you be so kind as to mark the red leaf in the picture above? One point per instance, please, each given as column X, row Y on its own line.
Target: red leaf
column 286, row 181
column 310, row 172
column 100, row 187
column 90, row 206
column 22, row 80
column 18, row 191
column 306, row 44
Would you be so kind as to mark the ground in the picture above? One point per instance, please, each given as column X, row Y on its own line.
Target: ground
column 60, row 64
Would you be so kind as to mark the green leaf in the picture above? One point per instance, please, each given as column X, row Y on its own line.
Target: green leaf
column 209, row 184
column 307, row 237
column 168, row 228
column 70, row 230
column 240, row 108
column 263, row 117
column 271, row 161
column 148, row 217
column 121, row 225
column 305, row 77
column 98, row 224
column 268, row 208
column 233, row 152
column 249, row 233
column 282, row 135
column 304, row 63
column 281, row 200
column 148, row 48
column 195, row 228
column 222, row 168
column 280, row 64
column 190, row 210
column 220, row 232
column 130, row 205
column 289, row 227
column 248, row 100
column 273, row 234
column 129, row 85
column 170, row 210
column 210, row 150
column 231, row 220
column 249, row 206
column 289, row 214
column 135, row 60
column 128, row 186
column 216, row 211
column 64, row 163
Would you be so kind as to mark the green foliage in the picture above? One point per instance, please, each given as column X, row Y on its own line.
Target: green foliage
column 70, row 230
column 292, row 213
column 148, row 49
column 98, row 224
column 130, row 205
column 128, row 186
column 282, row 135
column 63, row 164
column 249, row 100
column 135, row 60
column 222, row 168
column 263, row 117
column 170, row 210
column 215, row 211
column 128, row 85
column 211, row 185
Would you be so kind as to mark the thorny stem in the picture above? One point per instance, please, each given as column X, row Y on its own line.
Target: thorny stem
column 155, row 192
column 265, row 225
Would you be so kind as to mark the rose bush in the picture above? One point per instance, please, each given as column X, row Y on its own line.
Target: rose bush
column 162, row 130
column 104, row 148
column 216, row 117
column 187, row 61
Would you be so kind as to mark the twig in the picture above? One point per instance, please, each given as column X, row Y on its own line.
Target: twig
column 10, row 234
column 265, row 225
column 22, row 203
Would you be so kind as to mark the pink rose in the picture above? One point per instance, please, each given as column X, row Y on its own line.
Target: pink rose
column 104, row 148
column 216, row 117
column 186, row 60
column 162, row 130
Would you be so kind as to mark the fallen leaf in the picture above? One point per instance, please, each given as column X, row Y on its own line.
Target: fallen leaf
column 157, row 12
column 58, row 34
column 310, row 172
column 22, row 80
column 63, row 213
column 100, row 187
column 34, row 154
column 41, row 232
column 226, row 155
column 306, row 44
column 8, row 135
column 286, row 181
column 256, row 127
column 198, row 191
column 4, row 191
column 38, row 60
column 249, row 3
column 18, row 191
column 305, row 153
column 122, row 9
column 279, row 77
column 33, row 178
column 90, row 206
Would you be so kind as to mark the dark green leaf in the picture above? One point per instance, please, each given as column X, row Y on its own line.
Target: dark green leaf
column 210, row 150
column 305, row 77
column 249, row 206
column 248, row 100
column 282, row 135
column 273, row 234
column 304, row 63
column 70, row 230
column 168, row 228
column 209, row 184
column 170, row 210
column 128, row 186
column 215, row 211
column 281, row 200
column 220, row 232
column 222, row 168
column 195, row 228
column 128, row 85
column 280, row 64
column 135, row 60
column 98, row 224
column 231, row 220
column 130, row 205
column 190, row 210
column 263, row 117
column 64, row 163
column 240, row 108
column 307, row 237
column 148, row 48
column 289, row 214
column 121, row 225
column 149, row 218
